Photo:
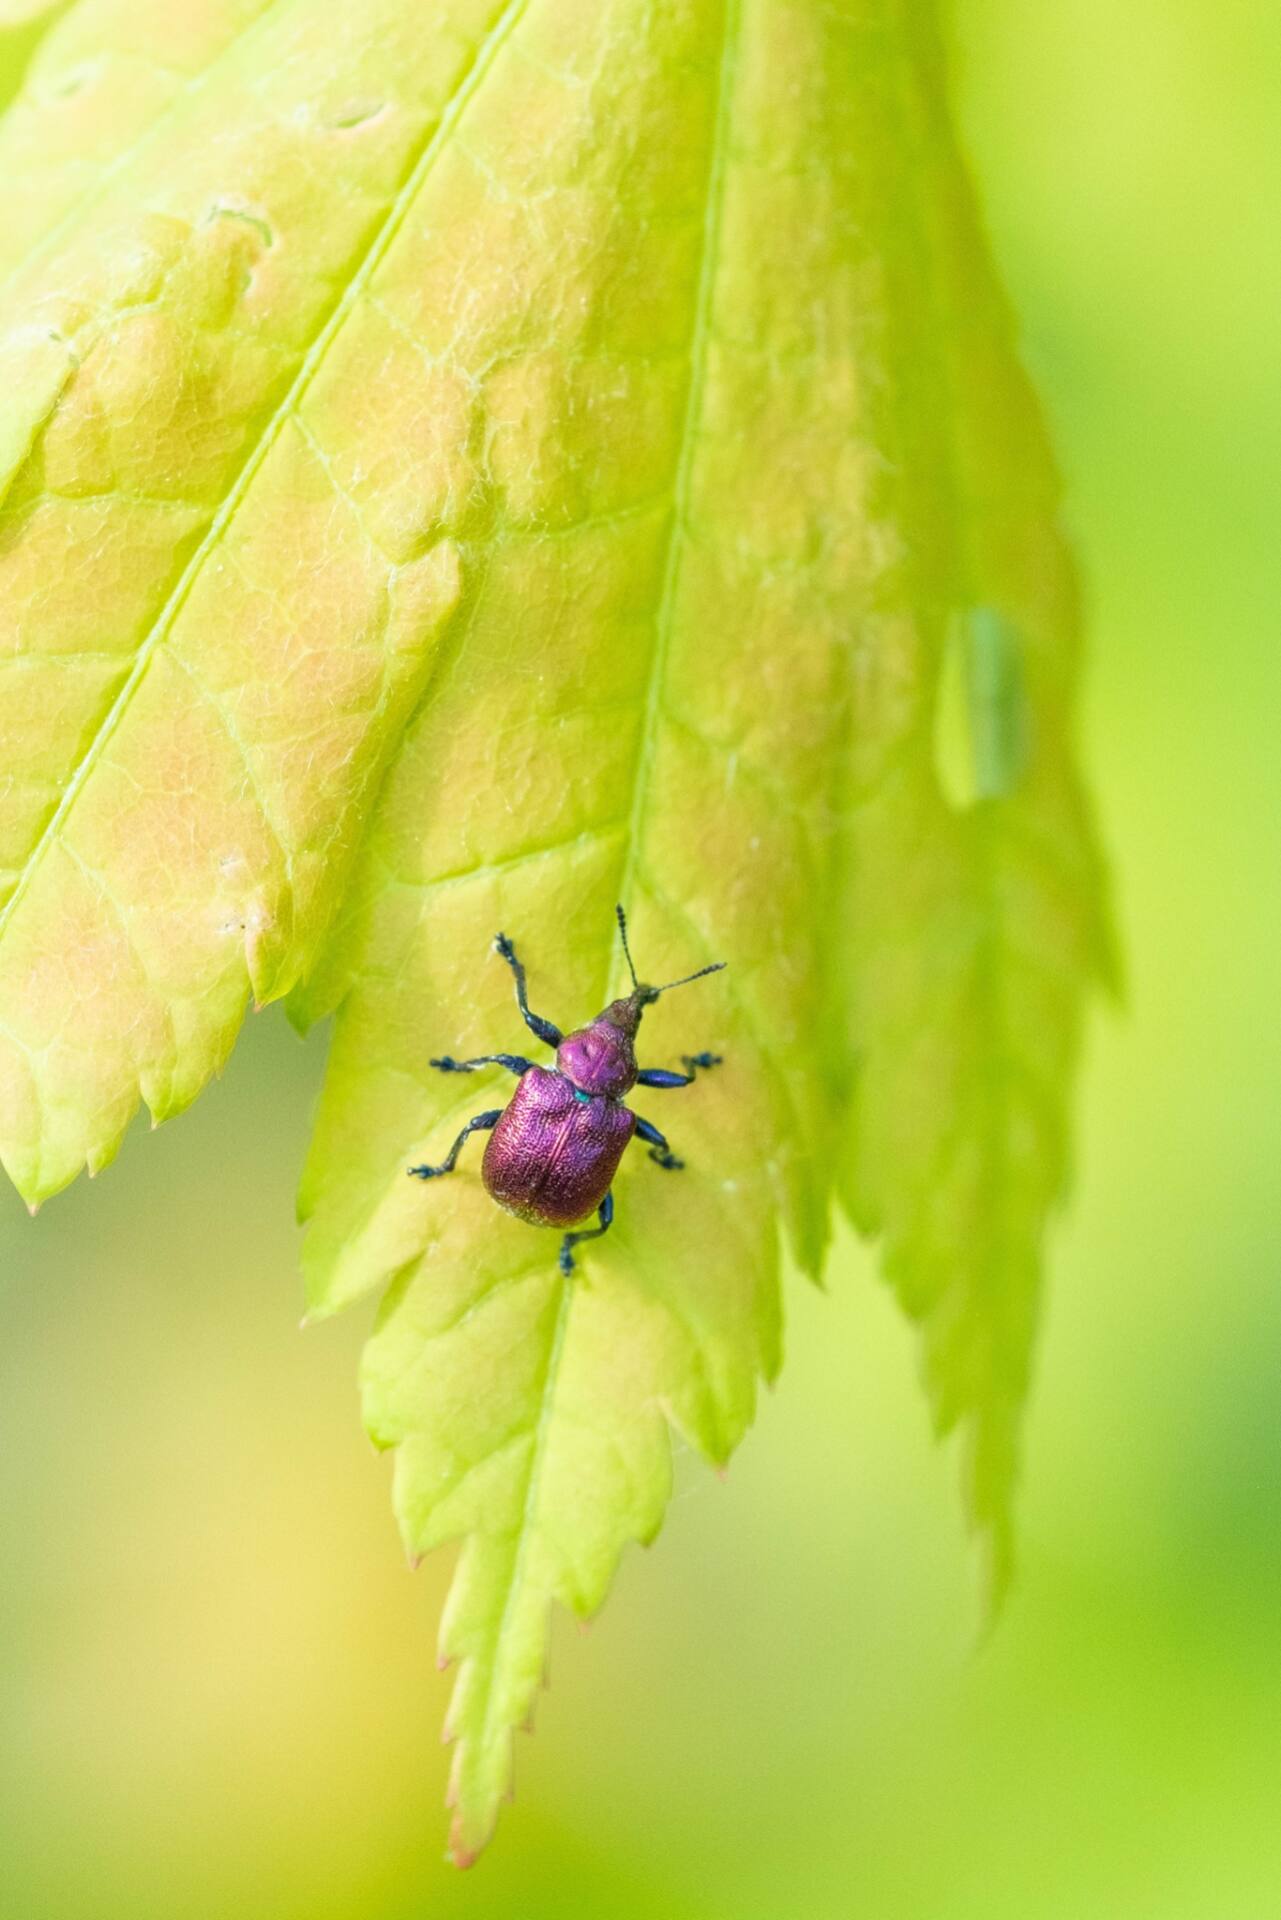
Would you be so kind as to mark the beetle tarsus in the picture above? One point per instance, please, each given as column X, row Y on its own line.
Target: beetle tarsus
column 704, row 1060
column 664, row 1158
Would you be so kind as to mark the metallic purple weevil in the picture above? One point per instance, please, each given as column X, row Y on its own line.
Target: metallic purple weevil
column 554, row 1149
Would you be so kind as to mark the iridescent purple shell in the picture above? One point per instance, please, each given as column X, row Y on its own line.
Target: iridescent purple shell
column 554, row 1152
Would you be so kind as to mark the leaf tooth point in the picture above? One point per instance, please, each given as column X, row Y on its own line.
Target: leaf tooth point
column 33, row 1207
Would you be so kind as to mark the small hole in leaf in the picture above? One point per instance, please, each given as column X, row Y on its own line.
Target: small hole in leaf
column 981, row 721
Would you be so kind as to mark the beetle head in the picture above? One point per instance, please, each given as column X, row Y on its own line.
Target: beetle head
column 601, row 1058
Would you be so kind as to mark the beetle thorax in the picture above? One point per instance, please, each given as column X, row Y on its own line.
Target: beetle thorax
column 600, row 1058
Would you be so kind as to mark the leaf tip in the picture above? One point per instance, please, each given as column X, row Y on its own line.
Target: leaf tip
column 996, row 1578
column 461, row 1855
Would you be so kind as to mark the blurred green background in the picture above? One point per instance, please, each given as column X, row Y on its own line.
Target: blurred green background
column 217, row 1685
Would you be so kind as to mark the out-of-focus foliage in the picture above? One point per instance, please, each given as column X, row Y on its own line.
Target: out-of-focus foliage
column 456, row 478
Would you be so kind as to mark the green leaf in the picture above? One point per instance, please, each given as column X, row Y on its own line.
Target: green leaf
column 973, row 923
column 212, row 647
column 453, row 478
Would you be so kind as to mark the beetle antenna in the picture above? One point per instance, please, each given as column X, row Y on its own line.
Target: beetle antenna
column 717, row 966
column 622, row 928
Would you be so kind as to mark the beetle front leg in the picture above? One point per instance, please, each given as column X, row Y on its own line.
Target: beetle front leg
column 571, row 1240
column 659, row 1151
column 545, row 1031
column 663, row 1077
column 514, row 1063
column 480, row 1123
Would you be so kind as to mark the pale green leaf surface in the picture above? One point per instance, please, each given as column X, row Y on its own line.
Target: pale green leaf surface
column 455, row 475
column 19, row 15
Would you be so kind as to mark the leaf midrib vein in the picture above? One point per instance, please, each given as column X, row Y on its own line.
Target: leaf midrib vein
column 529, row 1508
column 330, row 327
column 700, row 340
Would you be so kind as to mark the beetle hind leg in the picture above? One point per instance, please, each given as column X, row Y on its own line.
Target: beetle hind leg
column 566, row 1261
column 479, row 1123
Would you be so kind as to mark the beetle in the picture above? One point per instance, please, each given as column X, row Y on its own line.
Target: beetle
column 553, row 1150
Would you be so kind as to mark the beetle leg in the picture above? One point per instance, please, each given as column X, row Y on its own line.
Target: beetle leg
column 659, row 1151
column 571, row 1240
column 514, row 1062
column 663, row 1077
column 549, row 1034
column 479, row 1123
